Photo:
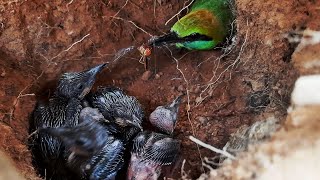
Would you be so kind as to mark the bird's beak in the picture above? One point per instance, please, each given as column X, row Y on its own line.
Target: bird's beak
column 56, row 132
column 104, row 120
column 91, row 75
column 139, row 126
column 177, row 101
column 137, row 120
column 135, row 123
column 95, row 70
column 169, row 38
column 173, row 38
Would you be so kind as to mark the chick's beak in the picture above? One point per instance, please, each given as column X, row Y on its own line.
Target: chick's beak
column 139, row 126
column 95, row 70
column 177, row 101
column 135, row 124
column 90, row 76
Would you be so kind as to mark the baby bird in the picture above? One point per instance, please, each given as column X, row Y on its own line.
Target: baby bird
column 165, row 117
column 205, row 26
column 124, row 112
column 149, row 153
column 62, row 110
column 86, row 138
column 93, row 152
column 106, row 164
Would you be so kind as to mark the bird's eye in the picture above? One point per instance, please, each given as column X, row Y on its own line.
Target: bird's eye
column 80, row 142
column 80, row 86
column 90, row 150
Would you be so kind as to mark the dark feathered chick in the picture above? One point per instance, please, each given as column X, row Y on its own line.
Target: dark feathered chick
column 93, row 151
column 165, row 117
column 124, row 111
column 89, row 114
column 62, row 110
column 107, row 163
column 84, row 139
column 77, row 84
column 149, row 153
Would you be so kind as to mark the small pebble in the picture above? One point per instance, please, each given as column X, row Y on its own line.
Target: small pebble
column 203, row 120
column 146, row 75
column 173, row 89
column 181, row 88
column 198, row 99
column 197, row 89
column 192, row 96
column 3, row 74
column 157, row 76
column 198, row 78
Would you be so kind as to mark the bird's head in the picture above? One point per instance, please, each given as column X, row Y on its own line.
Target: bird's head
column 198, row 30
column 165, row 117
column 89, row 114
column 175, row 103
column 155, row 148
column 130, row 120
column 150, row 151
column 78, row 84
column 84, row 140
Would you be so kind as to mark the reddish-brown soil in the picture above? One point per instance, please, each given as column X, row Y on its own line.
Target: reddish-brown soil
column 39, row 40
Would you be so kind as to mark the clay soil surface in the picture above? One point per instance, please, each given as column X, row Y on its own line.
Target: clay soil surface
column 39, row 40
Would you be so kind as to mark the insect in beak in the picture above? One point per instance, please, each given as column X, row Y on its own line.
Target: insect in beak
column 145, row 52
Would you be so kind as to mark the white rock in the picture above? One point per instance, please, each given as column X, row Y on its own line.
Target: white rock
column 306, row 91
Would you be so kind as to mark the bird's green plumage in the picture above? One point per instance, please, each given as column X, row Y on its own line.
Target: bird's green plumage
column 219, row 8
column 211, row 18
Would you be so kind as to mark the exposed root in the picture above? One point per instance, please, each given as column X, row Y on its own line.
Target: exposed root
column 50, row 61
column 211, row 162
column 100, row 55
column 188, row 98
column 71, row 46
column 134, row 24
column 154, row 8
column 177, row 14
column 33, row 133
column 68, row 4
column 184, row 174
column 216, row 79
column 120, row 9
column 21, row 95
column 216, row 150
